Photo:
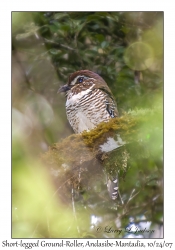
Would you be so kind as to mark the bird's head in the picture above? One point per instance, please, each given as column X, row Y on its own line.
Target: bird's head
column 83, row 80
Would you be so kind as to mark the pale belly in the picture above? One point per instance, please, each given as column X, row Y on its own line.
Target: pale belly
column 87, row 112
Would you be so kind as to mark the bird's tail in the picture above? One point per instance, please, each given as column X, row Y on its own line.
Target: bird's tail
column 112, row 186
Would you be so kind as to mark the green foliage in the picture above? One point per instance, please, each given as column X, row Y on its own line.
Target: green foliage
column 36, row 211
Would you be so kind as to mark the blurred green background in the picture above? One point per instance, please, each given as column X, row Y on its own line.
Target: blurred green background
column 126, row 49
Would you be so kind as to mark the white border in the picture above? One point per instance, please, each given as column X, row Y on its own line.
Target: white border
column 5, row 93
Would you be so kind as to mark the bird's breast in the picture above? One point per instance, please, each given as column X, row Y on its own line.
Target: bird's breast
column 74, row 98
column 86, row 109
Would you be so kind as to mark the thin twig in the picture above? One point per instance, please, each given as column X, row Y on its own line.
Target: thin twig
column 74, row 210
column 61, row 45
column 121, row 198
column 130, row 196
column 134, row 195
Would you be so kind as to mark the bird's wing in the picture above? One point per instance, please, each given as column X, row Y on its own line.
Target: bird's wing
column 111, row 105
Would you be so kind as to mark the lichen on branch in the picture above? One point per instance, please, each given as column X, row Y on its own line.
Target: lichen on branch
column 82, row 152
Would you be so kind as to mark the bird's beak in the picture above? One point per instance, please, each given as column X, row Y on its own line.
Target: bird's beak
column 64, row 88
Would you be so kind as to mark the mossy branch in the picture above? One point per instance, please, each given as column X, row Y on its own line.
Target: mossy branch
column 76, row 153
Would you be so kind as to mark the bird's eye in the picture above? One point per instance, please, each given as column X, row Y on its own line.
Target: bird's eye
column 80, row 79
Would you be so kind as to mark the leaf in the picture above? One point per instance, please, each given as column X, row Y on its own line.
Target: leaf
column 104, row 44
column 99, row 37
column 58, row 16
column 54, row 51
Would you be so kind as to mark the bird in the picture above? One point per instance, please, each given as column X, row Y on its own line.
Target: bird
column 89, row 101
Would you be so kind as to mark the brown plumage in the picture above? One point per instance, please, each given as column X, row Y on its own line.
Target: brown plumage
column 89, row 102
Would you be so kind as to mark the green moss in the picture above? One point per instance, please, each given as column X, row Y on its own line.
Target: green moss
column 117, row 162
column 77, row 151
